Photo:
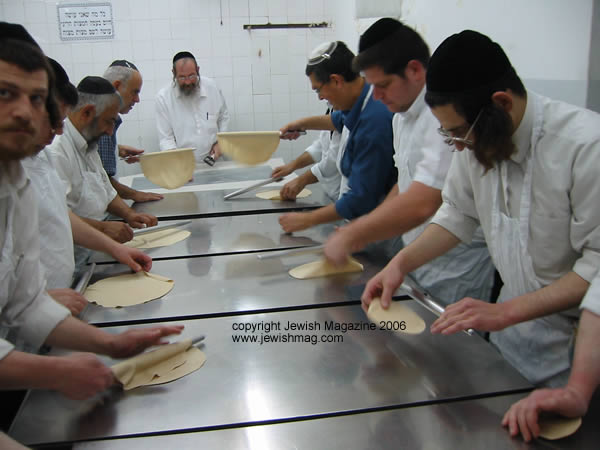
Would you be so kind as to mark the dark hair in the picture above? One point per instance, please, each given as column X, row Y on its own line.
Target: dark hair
column 494, row 128
column 340, row 63
column 30, row 58
column 390, row 49
column 65, row 91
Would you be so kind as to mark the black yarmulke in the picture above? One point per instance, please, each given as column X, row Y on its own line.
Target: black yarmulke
column 16, row 31
column 466, row 61
column 182, row 55
column 59, row 72
column 123, row 63
column 378, row 32
column 95, row 85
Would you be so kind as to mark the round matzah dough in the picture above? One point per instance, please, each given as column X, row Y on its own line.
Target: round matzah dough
column 558, row 427
column 128, row 290
column 274, row 194
column 323, row 268
column 397, row 312
column 160, row 238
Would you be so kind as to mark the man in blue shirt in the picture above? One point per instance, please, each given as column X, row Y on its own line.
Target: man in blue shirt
column 366, row 154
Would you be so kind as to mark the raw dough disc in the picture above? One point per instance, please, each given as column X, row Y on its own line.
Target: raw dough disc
column 169, row 169
column 323, row 268
column 274, row 194
column 397, row 312
column 248, row 147
column 160, row 238
column 128, row 290
column 165, row 364
column 558, row 427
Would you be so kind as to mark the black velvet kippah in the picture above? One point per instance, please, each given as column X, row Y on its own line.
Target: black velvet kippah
column 182, row 55
column 95, row 85
column 16, row 31
column 123, row 63
column 59, row 72
column 378, row 32
column 466, row 61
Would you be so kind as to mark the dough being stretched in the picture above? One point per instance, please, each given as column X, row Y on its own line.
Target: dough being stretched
column 274, row 194
column 397, row 318
column 553, row 428
column 167, row 363
column 128, row 290
column 160, row 238
column 323, row 268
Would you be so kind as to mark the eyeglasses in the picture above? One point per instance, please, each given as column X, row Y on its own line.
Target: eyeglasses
column 321, row 53
column 318, row 89
column 452, row 140
column 189, row 77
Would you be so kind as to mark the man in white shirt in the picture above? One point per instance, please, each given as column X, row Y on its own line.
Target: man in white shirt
column 394, row 58
column 530, row 180
column 191, row 110
column 90, row 194
column 24, row 303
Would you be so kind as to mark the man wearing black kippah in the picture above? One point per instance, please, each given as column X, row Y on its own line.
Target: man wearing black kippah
column 529, row 177
column 191, row 110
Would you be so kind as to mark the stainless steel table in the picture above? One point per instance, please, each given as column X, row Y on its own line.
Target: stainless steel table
column 247, row 383
column 463, row 424
column 232, row 284
column 211, row 204
column 233, row 234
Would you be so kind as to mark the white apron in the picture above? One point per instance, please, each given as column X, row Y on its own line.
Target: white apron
column 538, row 348
column 342, row 148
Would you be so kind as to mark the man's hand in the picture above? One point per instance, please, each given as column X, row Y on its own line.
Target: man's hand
column 141, row 220
column 130, row 154
column 471, row 313
column 132, row 342
column 118, row 231
column 215, row 151
column 132, row 257
column 291, row 222
column 522, row 417
column 290, row 131
column 291, row 189
column 339, row 246
column 72, row 300
column 382, row 285
column 282, row 171
column 83, row 376
column 141, row 197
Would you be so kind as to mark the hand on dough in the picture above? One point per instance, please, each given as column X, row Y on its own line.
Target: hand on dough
column 133, row 342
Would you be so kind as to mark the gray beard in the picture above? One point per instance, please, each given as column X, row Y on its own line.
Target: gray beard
column 189, row 91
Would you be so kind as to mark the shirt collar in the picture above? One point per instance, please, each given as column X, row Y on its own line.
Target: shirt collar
column 416, row 108
column 12, row 177
column 351, row 116
column 522, row 136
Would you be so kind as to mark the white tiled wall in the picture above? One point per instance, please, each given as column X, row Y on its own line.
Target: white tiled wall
column 261, row 73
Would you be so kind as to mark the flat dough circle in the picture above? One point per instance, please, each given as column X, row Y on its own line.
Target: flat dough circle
column 169, row 169
column 160, row 238
column 397, row 312
column 274, row 194
column 558, row 427
column 323, row 268
column 128, row 290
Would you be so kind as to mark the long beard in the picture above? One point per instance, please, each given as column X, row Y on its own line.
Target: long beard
column 90, row 133
column 189, row 89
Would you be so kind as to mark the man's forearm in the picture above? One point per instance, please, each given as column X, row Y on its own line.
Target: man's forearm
column 326, row 214
column 119, row 208
column 75, row 334
column 316, row 123
column 19, row 370
column 305, row 159
column 97, row 224
column 125, row 192
column 89, row 236
column 562, row 294
column 585, row 374
column 308, row 178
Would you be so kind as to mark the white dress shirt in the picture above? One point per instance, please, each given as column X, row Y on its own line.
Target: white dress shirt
column 591, row 301
column 79, row 166
column 56, row 236
column 422, row 156
column 324, row 152
column 24, row 303
column 191, row 121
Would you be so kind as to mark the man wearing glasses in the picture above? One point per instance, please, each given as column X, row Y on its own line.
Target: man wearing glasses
column 365, row 158
column 191, row 111
column 530, row 179
column 394, row 58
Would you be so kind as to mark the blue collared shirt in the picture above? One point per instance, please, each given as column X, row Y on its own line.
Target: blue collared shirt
column 368, row 160
column 107, row 146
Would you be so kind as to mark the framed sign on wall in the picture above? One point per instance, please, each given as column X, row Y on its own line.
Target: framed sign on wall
column 85, row 21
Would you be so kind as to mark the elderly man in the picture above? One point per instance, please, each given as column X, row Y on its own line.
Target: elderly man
column 191, row 111
column 365, row 157
column 530, row 180
column 394, row 58
column 127, row 80
column 89, row 192
column 26, row 77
